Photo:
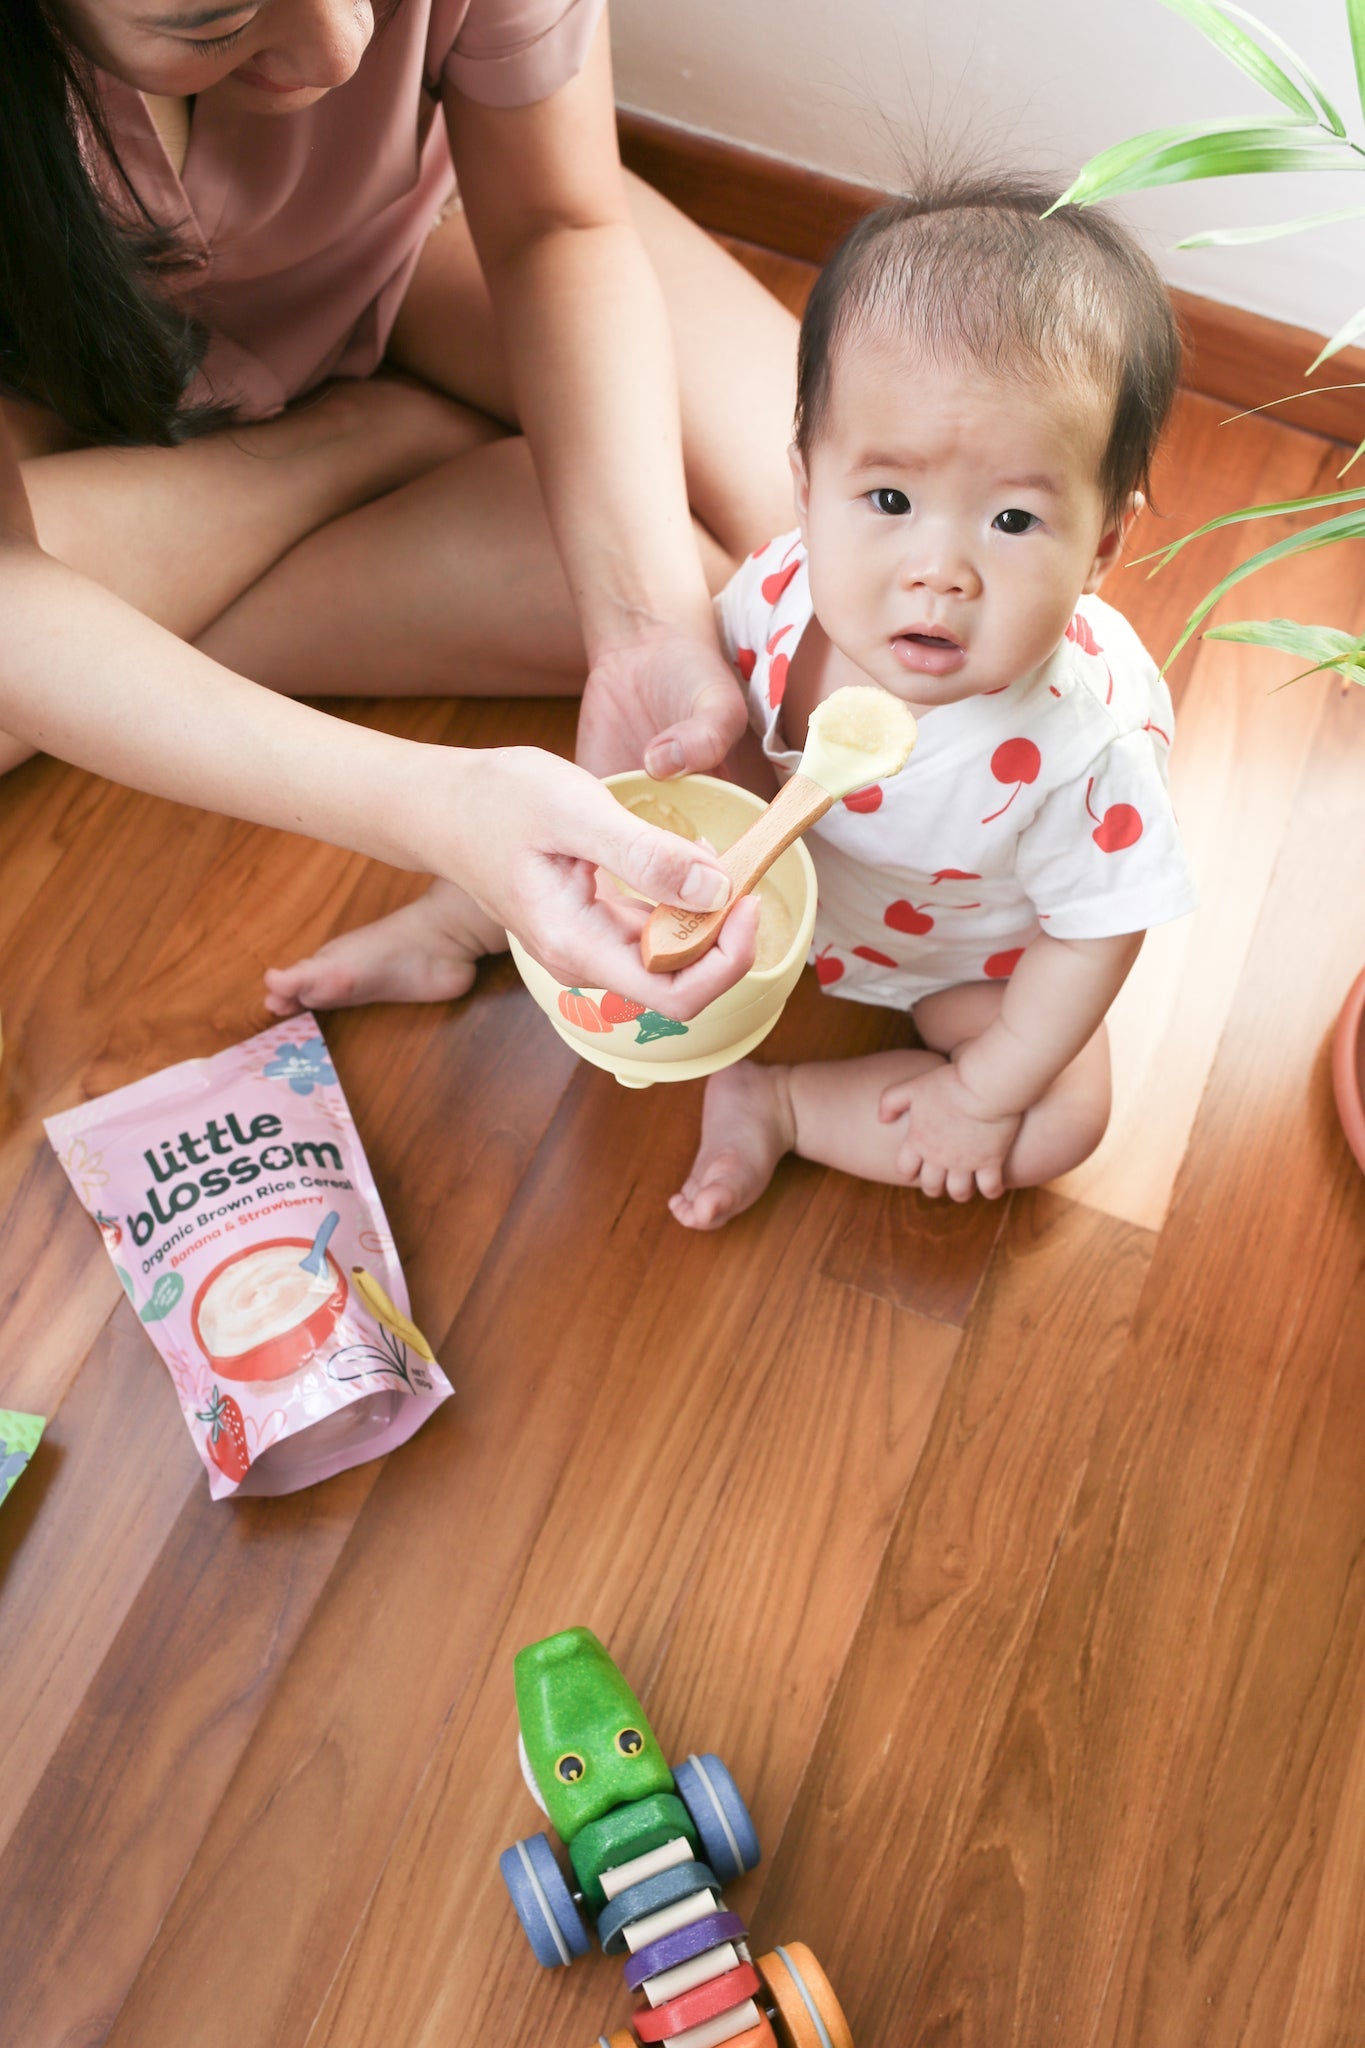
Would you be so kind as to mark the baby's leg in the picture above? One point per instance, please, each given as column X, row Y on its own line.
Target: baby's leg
column 1066, row 1124
column 424, row 953
column 826, row 1111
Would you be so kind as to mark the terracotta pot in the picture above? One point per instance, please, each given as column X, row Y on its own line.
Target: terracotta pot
column 1348, row 1069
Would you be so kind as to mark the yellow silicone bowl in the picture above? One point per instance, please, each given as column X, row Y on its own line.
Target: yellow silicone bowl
column 640, row 1046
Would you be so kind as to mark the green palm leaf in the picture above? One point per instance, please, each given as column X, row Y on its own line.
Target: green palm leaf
column 1217, row 28
column 1355, row 17
column 1343, row 337
column 1255, row 57
column 1276, row 509
column 1094, row 180
column 1323, row 647
column 1346, row 526
column 1229, row 237
column 1232, row 153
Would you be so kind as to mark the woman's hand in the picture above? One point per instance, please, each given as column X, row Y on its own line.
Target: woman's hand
column 532, row 832
column 954, row 1143
column 669, row 702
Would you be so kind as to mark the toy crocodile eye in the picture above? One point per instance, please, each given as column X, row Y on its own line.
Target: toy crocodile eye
column 630, row 1742
column 570, row 1769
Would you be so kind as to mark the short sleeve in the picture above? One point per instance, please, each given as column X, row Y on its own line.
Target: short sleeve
column 1104, row 853
column 509, row 53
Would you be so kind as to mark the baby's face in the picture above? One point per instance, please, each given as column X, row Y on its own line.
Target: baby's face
column 952, row 518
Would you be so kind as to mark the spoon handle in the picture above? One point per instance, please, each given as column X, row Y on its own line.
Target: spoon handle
column 674, row 938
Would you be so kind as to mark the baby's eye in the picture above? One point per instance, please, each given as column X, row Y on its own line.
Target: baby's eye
column 893, row 503
column 1015, row 520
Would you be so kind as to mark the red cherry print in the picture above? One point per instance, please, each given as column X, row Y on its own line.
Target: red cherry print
column 1001, row 966
column 777, row 678
column 828, row 967
column 955, row 875
column 1016, row 761
column 865, row 800
column 774, row 585
column 745, row 658
column 1149, row 727
column 780, row 634
column 759, row 553
column 907, row 917
column 1081, row 632
column 871, row 953
column 1120, row 826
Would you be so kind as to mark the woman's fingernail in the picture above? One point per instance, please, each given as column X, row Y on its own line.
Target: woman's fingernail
column 664, row 760
column 704, row 889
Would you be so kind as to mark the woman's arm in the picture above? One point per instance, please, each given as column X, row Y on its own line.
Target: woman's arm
column 588, row 349
column 85, row 677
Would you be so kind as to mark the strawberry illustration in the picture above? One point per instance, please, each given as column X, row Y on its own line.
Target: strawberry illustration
column 111, row 1230
column 620, row 1009
column 227, row 1437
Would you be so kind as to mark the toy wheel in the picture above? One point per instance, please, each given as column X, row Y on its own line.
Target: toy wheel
column 665, row 1888
column 729, row 1840
column 550, row 1920
column 761, row 2036
column 808, row 2014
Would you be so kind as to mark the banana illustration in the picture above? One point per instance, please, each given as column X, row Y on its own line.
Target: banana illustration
column 379, row 1305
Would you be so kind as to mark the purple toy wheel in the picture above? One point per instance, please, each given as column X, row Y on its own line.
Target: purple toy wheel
column 682, row 1945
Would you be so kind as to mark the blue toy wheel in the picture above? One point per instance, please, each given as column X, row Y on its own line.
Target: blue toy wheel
column 729, row 1840
column 549, row 1918
column 651, row 1895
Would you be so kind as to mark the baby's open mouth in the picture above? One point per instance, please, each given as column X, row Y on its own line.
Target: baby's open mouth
column 928, row 652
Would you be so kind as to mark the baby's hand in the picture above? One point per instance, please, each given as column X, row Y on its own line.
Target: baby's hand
column 954, row 1143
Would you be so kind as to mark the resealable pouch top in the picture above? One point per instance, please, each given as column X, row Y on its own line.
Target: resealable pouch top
column 236, row 1202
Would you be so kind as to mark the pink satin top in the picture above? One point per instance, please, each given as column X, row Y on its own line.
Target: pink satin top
column 304, row 229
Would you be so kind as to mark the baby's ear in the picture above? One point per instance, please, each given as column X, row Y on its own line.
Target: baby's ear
column 801, row 482
column 1112, row 542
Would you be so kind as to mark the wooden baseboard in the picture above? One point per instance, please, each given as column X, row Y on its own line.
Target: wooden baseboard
column 1241, row 358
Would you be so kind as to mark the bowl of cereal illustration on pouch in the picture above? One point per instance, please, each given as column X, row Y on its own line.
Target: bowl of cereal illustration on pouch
column 262, row 1314
column 640, row 1045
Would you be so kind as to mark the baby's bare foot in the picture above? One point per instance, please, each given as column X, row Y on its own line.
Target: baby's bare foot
column 746, row 1127
column 424, row 953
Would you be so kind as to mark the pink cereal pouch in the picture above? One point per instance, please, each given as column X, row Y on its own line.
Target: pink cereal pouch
column 236, row 1202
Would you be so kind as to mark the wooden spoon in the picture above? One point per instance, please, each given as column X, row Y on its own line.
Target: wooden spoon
column 675, row 938
column 858, row 736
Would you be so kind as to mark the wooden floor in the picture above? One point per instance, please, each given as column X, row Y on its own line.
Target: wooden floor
column 1014, row 1557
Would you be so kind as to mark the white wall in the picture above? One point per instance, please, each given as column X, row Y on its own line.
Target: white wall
column 841, row 84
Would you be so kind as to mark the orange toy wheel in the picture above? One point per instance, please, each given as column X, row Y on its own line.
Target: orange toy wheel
column 808, row 2014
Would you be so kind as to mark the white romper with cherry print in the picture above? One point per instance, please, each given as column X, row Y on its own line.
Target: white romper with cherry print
column 1039, row 807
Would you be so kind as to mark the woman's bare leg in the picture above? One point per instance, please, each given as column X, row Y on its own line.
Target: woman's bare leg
column 456, row 584
column 466, row 587
column 181, row 532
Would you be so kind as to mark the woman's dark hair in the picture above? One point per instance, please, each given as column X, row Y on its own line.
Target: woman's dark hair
column 982, row 268
column 83, row 327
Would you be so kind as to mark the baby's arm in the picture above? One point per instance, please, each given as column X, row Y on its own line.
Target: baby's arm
column 968, row 1122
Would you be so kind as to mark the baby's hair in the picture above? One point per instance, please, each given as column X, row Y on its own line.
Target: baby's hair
column 969, row 268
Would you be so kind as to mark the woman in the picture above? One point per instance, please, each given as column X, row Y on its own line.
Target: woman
column 388, row 536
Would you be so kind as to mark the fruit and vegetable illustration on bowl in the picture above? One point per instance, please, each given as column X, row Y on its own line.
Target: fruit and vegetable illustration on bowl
column 651, row 1850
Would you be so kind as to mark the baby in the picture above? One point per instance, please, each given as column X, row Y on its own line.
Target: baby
column 980, row 395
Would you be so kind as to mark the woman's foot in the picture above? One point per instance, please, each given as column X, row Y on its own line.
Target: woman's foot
column 746, row 1127
column 424, row 953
